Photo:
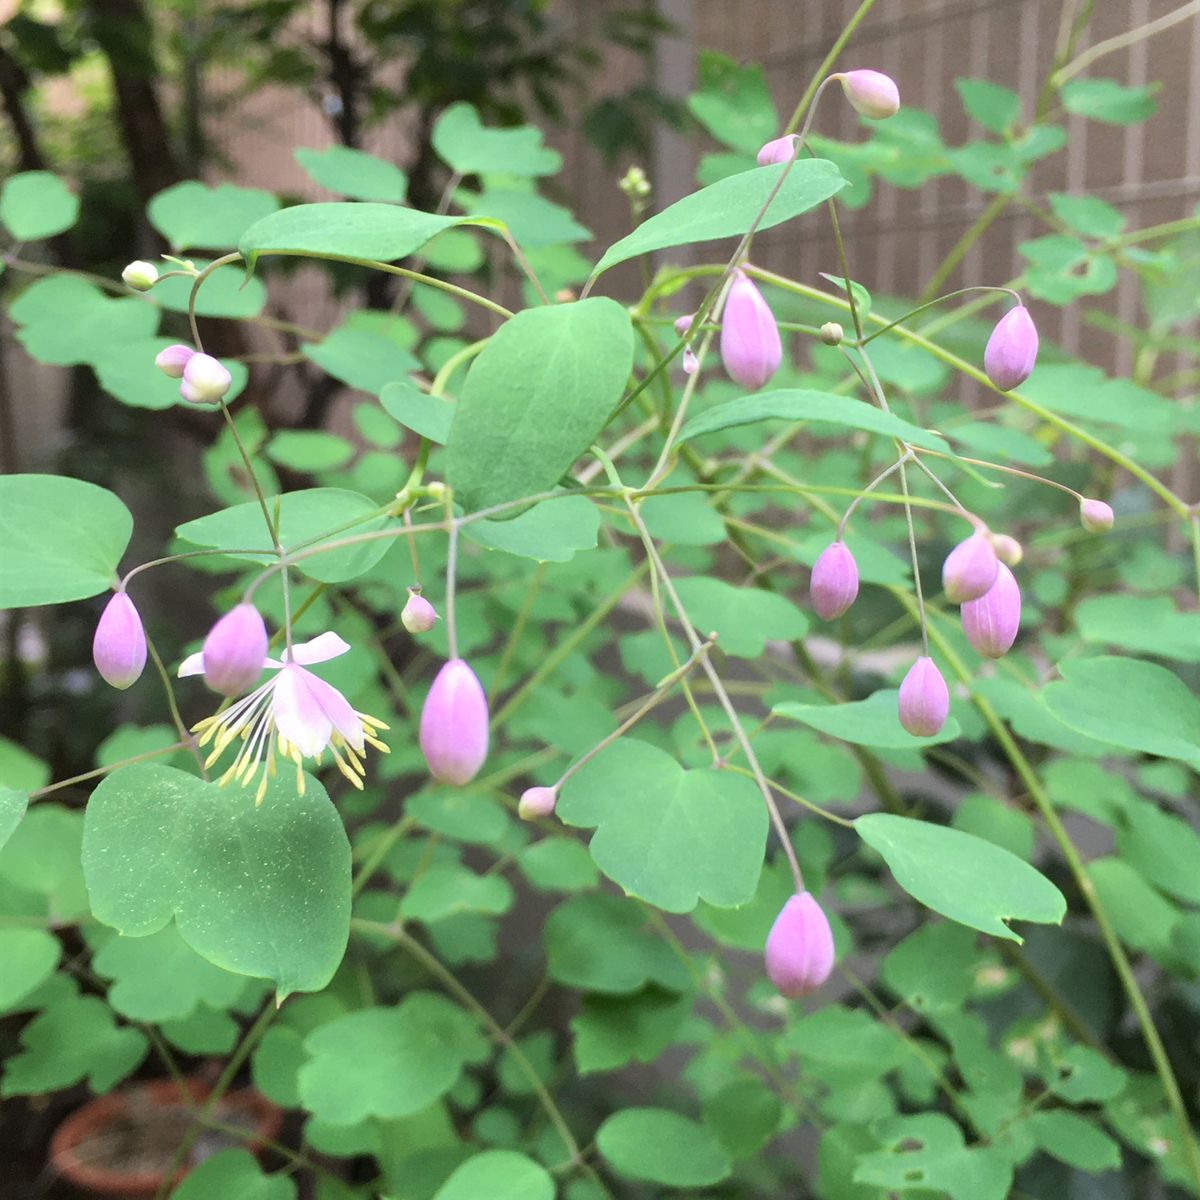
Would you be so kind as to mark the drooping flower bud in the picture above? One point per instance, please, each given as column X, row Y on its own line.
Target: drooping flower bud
column 832, row 333
column 684, row 323
column 970, row 568
column 141, row 276
column 924, row 699
column 418, row 615
column 235, row 650
column 454, row 725
column 119, row 647
column 1096, row 516
column 1008, row 550
column 1012, row 349
column 991, row 622
column 691, row 364
column 537, row 802
column 778, row 150
column 799, row 950
column 750, row 345
column 871, row 93
column 205, row 380
column 833, row 586
column 174, row 359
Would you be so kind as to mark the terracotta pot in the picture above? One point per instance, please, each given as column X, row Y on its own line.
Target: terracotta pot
column 71, row 1161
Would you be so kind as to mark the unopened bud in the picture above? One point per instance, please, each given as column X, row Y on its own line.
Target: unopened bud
column 924, row 699
column 1011, row 350
column 205, row 380
column 1096, row 516
column 970, row 568
column 871, row 93
column 418, row 615
column 454, row 725
column 750, row 345
column 834, row 583
column 235, row 650
column 683, row 324
column 141, row 276
column 992, row 622
column 778, row 150
column 1008, row 550
column 537, row 802
column 119, row 645
column 799, row 949
column 691, row 364
column 832, row 333
column 174, row 359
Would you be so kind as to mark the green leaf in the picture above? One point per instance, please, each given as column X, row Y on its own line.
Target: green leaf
column 61, row 539
column 1109, row 101
column 684, row 518
column 1087, row 215
column 84, row 325
column 42, row 856
column 535, row 399
column 359, row 232
column 498, row 1175
column 354, row 173
column 74, row 1039
column 388, row 1062
column 557, row 864
column 962, row 877
column 997, row 822
column 1141, row 624
column 205, row 1031
column 803, row 404
column 727, row 209
column 261, row 890
column 127, row 372
column 12, row 809
column 744, row 618
column 1128, row 703
column 230, row 1173
column 551, row 531
column 733, row 102
column 36, row 205
column 993, row 106
column 459, row 815
column 611, row 1031
column 192, row 215
column 1074, row 1140
column 1082, row 1074
column 933, row 968
column 309, row 450
column 29, row 956
column 1164, row 848
column 276, row 1064
column 367, row 357
column 463, row 143
column 845, row 1036
column 874, row 721
column 745, row 1116
column 600, row 943
column 533, row 221
column 227, row 292
column 1140, row 915
column 661, row 1147
column 447, row 889
column 20, row 770
column 427, row 415
column 669, row 836
column 303, row 516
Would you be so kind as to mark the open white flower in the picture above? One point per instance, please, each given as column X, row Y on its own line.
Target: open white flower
column 294, row 715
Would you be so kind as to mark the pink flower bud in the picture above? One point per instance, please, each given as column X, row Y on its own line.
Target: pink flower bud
column 691, row 364
column 119, row 647
column 991, row 622
column 970, row 568
column 537, row 802
column 799, row 950
column 750, row 345
column 834, row 583
column 418, row 615
column 1008, row 550
column 1011, row 350
column 454, row 725
column 684, row 323
column 778, row 150
column 924, row 699
column 871, row 93
column 235, row 650
column 205, row 380
column 173, row 359
column 1096, row 516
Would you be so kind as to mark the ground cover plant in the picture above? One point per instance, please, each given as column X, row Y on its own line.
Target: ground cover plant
column 665, row 742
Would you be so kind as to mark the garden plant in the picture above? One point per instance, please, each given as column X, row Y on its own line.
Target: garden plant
column 692, row 730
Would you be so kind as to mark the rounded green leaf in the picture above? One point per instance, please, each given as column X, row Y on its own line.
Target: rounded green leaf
column 535, row 399
column 127, row 372
column 260, row 890
column 28, row 955
column 874, row 721
column 225, row 293
column 743, row 618
column 549, row 532
column 971, row 881
column 463, row 142
column 12, row 808
column 498, row 1175
column 354, row 173
column 193, row 215
column 661, row 1147
column 37, row 204
column 230, row 1173
column 61, row 539
column 309, row 450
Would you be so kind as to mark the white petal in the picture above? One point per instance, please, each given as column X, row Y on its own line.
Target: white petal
column 192, row 665
column 298, row 715
column 326, row 646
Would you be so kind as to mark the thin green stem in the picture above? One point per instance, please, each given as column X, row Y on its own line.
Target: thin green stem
column 822, row 71
column 125, row 762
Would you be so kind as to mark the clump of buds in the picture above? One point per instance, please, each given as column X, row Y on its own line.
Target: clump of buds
column 750, row 345
column 991, row 623
column 205, row 380
column 418, row 615
column 833, row 586
column 454, row 725
column 778, row 150
column 924, row 699
column 537, row 802
column 970, row 568
column 119, row 645
column 871, row 93
column 141, row 276
column 1011, row 350
column 1095, row 516
column 235, row 650
column 799, row 949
